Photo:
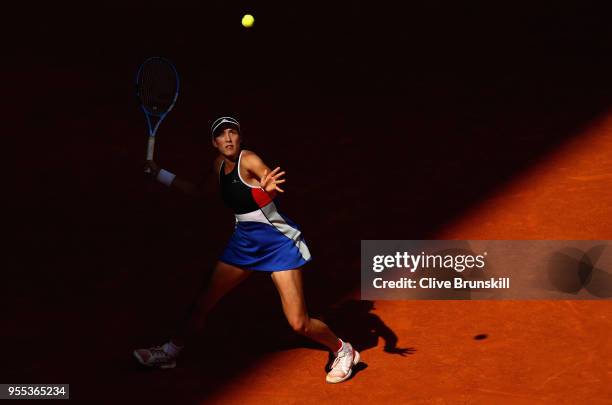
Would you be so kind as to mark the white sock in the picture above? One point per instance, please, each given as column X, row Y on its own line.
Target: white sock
column 171, row 349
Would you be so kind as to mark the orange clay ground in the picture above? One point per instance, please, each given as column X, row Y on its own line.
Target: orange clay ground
column 531, row 351
column 479, row 352
column 528, row 352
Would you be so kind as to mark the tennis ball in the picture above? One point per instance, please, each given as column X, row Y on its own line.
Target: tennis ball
column 248, row 20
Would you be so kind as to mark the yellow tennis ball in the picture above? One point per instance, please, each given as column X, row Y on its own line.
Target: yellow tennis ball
column 248, row 20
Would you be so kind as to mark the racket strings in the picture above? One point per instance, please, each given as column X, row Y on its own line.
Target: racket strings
column 158, row 85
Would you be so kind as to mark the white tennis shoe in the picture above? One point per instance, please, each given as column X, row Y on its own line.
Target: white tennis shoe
column 342, row 367
column 155, row 357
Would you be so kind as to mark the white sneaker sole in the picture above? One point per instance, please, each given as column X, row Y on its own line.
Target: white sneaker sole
column 356, row 359
column 161, row 365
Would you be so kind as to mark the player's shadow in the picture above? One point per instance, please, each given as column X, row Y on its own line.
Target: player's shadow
column 354, row 322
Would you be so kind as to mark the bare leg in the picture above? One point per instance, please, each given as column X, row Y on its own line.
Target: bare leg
column 289, row 285
column 224, row 278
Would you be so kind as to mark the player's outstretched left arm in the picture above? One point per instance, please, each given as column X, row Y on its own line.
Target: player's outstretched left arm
column 268, row 179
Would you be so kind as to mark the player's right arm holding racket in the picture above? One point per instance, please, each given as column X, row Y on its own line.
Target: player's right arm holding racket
column 168, row 178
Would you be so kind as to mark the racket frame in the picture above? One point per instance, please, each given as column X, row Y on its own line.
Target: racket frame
column 149, row 114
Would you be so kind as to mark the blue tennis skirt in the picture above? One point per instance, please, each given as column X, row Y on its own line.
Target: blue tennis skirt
column 272, row 244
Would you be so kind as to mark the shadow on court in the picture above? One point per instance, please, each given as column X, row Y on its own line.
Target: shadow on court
column 354, row 321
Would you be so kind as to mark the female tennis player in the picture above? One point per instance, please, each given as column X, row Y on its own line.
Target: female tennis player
column 263, row 240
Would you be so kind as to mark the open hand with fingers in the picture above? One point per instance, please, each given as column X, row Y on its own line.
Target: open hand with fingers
column 270, row 181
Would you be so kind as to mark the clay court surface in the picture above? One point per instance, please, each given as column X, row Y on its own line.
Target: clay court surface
column 105, row 261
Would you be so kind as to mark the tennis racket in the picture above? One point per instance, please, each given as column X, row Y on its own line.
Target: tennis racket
column 157, row 87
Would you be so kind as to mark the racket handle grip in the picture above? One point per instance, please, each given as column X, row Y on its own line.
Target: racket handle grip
column 150, row 150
